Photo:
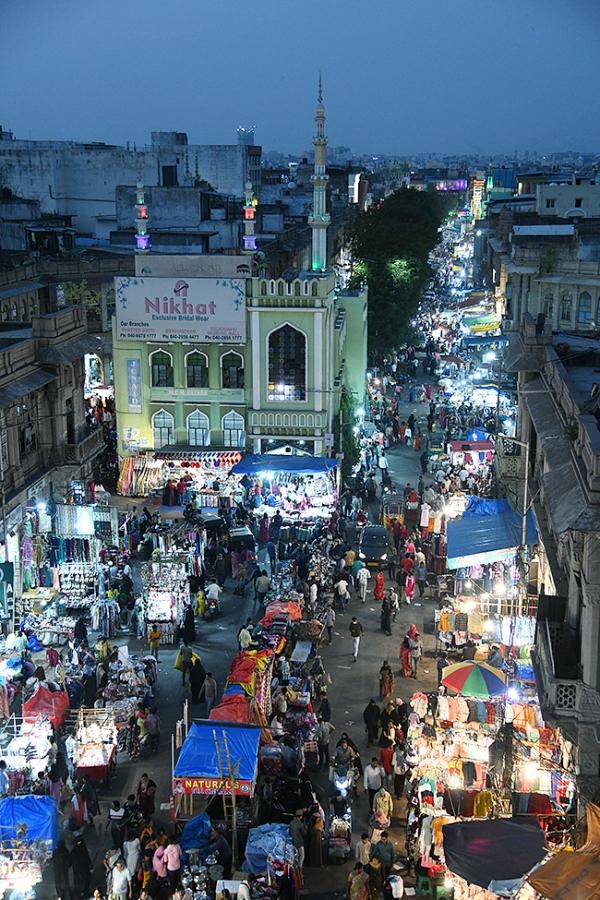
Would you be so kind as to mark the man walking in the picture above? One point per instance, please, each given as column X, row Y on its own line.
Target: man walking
column 363, row 578
column 324, row 730
column 329, row 622
column 373, row 780
column 383, row 465
column 356, row 631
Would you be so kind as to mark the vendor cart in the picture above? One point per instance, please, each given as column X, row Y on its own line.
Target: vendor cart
column 392, row 509
column 98, row 762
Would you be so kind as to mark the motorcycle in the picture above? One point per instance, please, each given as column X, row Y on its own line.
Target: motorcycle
column 211, row 609
column 344, row 780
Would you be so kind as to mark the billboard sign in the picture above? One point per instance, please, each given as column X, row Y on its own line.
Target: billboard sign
column 208, row 786
column 198, row 310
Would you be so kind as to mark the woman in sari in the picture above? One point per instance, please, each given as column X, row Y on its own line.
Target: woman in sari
column 386, row 681
column 358, row 883
column 379, row 589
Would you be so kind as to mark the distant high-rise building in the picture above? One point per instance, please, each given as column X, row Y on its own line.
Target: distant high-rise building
column 246, row 136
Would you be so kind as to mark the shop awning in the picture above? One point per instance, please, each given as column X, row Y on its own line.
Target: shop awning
column 482, row 323
column 489, row 530
column 198, row 770
column 40, row 814
column 573, row 876
column 472, row 446
column 69, row 350
column 258, row 463
column 483, row 340
column 23, row 386
column 186, row 453
column 54, row 704
column 492, row 850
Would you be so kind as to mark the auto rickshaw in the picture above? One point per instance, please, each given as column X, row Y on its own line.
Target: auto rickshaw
column 392, row 509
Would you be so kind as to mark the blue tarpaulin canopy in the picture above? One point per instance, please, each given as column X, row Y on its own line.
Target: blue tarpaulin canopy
column 498, row 849
column 271, row 462
column 199, row 759
column 489, row 530
column 39, row 814
column 265, row 844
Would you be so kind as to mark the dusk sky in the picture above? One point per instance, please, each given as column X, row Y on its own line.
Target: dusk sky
column 400, row 76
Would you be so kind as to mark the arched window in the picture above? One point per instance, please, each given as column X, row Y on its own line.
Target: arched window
column 314, row 289
column 280, row 288
column 233, row 430
column 163, row 429
column 232, row 370
column 566, row 308
column 287, row 364
column 196, row 369
column 263, row 288
column 584, row 308
column 5, row 313
column 198, row 429
column 548, row 304
column 13, row 312
column 161, row 369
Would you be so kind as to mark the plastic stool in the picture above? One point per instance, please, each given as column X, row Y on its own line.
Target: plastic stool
column 424, row 886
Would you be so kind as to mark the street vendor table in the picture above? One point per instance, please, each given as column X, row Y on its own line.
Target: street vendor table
column 97, row 761
column 302, row 651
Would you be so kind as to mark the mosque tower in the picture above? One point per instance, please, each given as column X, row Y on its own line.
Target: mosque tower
column 320, row 218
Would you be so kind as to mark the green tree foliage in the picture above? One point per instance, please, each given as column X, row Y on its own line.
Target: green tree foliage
column 79, row 293
column 349, row 442
column 390, row 245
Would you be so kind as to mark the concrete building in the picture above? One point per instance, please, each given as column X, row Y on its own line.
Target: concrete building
column 559, row 417
column 44, row 442
column 273, row 368
column 80, row 180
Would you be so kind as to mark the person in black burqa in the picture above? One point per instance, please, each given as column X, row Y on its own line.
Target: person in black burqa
column 61, row 864
column 197, row 676
column 372, row 718
column 82, row 867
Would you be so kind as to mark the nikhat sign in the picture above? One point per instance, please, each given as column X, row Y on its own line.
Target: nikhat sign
column 199, row 310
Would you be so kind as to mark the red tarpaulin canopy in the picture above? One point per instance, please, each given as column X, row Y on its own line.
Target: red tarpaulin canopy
column 54, row 704
column 232, row 708
column 280, row 608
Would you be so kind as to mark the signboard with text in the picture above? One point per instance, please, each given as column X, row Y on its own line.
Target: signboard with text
column 198, row 310
column 207, row 786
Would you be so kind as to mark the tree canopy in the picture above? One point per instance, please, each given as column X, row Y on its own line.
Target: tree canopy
column 390, row 245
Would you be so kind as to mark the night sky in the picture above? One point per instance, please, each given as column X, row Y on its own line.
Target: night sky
column 400, row 76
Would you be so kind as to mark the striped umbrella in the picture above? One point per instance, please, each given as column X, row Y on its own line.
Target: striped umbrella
column 474, row 679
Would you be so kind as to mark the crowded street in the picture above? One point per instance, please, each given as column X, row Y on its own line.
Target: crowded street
column 272, row 679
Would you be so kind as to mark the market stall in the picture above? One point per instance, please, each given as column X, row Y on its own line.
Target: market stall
column 216, row 760
column 25, row 748
column 303, row 488
column 207, row 474
column 95, row 751
column 29, row 832
column 166, row 593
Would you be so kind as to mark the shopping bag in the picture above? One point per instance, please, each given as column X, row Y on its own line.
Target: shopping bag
column 178, row 664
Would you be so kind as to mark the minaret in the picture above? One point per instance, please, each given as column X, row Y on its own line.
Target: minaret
column 142, row 238
column 250, row 203
column 320, row 218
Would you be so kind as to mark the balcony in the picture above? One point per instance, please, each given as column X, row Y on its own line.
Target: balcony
column 226, row 396
column 90, row 444
column 556, row 662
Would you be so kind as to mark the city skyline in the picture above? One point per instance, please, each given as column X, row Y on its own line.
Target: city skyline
column 463, row 81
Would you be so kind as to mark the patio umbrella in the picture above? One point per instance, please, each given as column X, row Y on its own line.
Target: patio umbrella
column 474, row 679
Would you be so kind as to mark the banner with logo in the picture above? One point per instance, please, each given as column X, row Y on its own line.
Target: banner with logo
column 7, row 590
column 195, row 310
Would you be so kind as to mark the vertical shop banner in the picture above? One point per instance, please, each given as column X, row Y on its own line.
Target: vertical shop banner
column 134, row 385
column 7, row 590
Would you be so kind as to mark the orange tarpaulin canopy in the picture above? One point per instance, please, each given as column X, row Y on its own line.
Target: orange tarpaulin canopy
column 573, row 876
column 281, row 608
column 54, row 704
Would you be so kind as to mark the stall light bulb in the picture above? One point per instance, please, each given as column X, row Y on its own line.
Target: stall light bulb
column 455, row 781
column 513, row 694
column 448, row 883
column 469, row 605
column 531, row 770
column 499, row 589
column 467, row 582
column 488, row 625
